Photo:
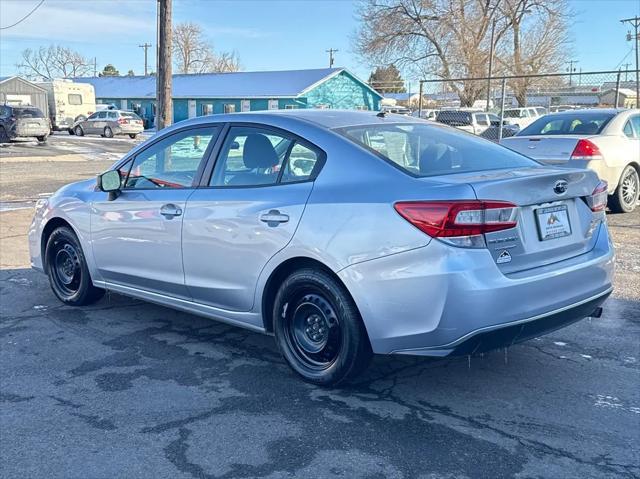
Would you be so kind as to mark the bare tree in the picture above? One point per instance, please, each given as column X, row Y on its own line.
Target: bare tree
column 539, row 40
column 54, row 61
column 449, row 38
column 193, row 54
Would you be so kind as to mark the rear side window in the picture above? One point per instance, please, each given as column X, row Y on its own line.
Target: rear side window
column 75, row 99
column 427, row 150
column 129, row 114
column 27, row 113
column 454, row 118
column 570, row 123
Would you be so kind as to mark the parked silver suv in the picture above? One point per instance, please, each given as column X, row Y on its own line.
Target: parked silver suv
column 23, row 122
column 109, row 123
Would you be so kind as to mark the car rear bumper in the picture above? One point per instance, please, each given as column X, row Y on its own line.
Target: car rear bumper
column 129, row 130
column 439, row 300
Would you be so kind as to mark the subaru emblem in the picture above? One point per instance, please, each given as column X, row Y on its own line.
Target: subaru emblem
column 561, row 187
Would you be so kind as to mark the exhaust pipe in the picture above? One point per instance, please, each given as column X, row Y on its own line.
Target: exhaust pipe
column 596, row 312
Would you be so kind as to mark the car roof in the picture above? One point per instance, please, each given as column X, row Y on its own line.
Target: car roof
column 590, row 111
column 328, row 119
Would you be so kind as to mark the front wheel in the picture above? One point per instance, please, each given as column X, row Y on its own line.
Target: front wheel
column 625, row 198
column 132, row 136
column 67, row 269
column 78, row 131
column 4, row 138
column 108, row 132
column 318, row 328
column 42, row 139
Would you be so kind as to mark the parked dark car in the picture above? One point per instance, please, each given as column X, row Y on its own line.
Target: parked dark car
column 23, row 122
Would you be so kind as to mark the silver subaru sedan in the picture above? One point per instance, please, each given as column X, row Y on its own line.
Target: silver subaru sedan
column 341, row 233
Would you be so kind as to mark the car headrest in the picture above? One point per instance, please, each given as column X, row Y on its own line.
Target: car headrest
column 259, row 152
column 590, row 128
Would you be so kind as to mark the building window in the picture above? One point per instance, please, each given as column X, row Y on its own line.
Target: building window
column 245, row 105
column 207, row 109
column 362, row 107
column 75, row 99
column 273, row 104
column 290, row 107
column 229, row 108
column 323, row 106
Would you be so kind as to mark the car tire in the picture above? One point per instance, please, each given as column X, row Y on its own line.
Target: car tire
column 41, row 139
column 625, row 198
column 71, row 131
column 318, row 328
column 78, row 131
column 4, row 138
column 132, row 136
column 108, row 132
column 67, row 269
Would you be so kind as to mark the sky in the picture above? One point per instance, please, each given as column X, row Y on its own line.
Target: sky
column 266, row 34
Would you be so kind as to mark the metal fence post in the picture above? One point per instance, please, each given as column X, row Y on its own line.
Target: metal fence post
column 501, row 126
column 617, row 90
column 420, row 101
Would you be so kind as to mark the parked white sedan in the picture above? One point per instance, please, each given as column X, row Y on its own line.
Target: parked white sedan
column 604, row 140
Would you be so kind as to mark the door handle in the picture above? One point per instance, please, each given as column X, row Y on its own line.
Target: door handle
column 170, row 210
column 274, row 217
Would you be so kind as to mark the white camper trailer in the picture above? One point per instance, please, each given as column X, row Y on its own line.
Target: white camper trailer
column 69, row 102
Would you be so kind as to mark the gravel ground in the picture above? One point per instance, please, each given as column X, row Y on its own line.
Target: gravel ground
column 127, row 389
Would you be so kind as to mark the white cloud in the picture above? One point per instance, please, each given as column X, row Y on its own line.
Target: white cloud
column 63, row 21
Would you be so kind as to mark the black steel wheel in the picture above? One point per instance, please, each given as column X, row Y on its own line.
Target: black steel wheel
column 132, row 136
column 67, row 269
column 318, row 328
column 108, row 132
column 625, row 198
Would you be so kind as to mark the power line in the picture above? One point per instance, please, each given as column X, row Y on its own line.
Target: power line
column 23, row 18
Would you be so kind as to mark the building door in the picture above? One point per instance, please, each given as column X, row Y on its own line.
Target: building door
column 192, row 109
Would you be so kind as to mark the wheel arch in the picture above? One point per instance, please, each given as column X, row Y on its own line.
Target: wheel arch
column 279, row 274
column 51, row 225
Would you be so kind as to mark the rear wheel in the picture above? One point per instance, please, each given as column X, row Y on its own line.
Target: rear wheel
column 625, row 198
column 67, row 269
column 318, row 328
column 78, row 131
column 108, row 132
column 132, row 136
column 42, row 139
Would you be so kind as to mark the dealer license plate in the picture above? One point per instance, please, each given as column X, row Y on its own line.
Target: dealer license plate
column 553, row 222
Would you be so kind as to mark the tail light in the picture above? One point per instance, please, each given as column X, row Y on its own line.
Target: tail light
column 122, row 121
column 460, row 223
column 598, row 199
column 586, row 150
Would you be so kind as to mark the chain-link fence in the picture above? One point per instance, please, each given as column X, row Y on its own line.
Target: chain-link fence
column 482, row 105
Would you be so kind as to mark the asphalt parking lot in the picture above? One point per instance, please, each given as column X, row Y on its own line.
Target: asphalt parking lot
column 127, row 389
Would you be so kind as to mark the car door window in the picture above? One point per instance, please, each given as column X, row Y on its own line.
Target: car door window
column 173, row 161
column 102, row 115
column 482, row 120
column 112, row 115
column 93, row 117
column 301, row 165
column 250, row 157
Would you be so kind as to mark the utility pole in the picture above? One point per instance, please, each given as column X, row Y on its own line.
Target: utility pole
column 95, row 66
column 635, row 21
column 626, row 70
column 163, row 85
column 331, row 51
column 146, row 47
column 571, row 69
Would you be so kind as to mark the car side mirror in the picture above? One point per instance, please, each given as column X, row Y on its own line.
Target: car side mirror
column 109, row 182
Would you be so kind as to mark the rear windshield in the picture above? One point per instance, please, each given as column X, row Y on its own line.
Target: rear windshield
column 129, row 114
column 454, row 118
column 429, row 150
column 569, row 123
column 27, row 113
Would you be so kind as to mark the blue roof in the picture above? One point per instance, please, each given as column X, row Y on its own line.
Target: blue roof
column 266, row 84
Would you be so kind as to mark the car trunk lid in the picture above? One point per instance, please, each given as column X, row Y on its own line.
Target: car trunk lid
column 555, row 150
column 552, row 225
